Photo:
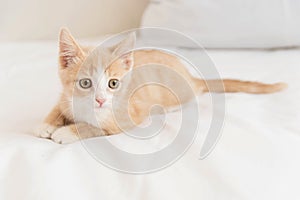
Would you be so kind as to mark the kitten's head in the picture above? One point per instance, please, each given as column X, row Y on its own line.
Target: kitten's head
column 94, row 76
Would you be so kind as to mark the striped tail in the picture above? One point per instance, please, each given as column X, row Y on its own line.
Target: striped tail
column 232, row 86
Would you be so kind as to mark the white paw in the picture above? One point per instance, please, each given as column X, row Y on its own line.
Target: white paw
column 44, row 130
column 64, row 135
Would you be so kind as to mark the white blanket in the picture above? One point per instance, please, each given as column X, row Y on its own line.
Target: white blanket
column 257, row 156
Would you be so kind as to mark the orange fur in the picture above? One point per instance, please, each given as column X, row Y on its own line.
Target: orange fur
column 233, row 86
column 72, row 56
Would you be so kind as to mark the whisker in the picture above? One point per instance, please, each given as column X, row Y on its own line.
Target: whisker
column 66, row 101
column 61, row 103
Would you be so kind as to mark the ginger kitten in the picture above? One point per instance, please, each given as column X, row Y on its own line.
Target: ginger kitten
column 95, row 87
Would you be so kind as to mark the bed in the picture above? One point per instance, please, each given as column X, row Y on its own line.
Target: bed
column 257, row 156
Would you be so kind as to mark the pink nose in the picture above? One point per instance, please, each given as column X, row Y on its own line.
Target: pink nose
column 100, row 101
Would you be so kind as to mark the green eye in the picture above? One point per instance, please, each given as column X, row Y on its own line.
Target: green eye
column 113, row 83
column 85, row 83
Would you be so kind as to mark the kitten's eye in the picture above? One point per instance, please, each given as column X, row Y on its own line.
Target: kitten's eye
column 113, row 83
column 85, row 83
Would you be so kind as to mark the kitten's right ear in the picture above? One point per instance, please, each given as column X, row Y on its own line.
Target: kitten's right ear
column 69, row 51
column 125, row 50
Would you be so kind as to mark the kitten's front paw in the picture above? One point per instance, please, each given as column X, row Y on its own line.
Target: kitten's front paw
column 44, row 130
column 64, row 135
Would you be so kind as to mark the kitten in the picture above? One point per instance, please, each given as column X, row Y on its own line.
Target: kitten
column 95, row 86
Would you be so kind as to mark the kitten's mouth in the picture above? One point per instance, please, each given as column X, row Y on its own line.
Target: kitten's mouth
column 98, row 107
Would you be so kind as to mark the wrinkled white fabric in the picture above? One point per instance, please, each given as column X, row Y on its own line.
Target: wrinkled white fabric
column 257, row 156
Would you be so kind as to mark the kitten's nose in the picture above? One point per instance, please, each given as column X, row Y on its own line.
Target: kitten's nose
column 100, row 101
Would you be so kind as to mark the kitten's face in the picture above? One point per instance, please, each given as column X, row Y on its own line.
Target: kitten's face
column 90, row 79
column 97, row 81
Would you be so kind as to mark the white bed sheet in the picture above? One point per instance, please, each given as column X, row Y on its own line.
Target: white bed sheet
column 257, row 156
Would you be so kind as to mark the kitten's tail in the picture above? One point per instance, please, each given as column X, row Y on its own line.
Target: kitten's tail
column 231, row 86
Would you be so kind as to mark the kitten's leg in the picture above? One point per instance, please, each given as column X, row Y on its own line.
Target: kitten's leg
column 74, row 132
column 54, row 120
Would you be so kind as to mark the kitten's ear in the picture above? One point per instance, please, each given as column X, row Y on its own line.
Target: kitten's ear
column 69, row 51
column 125, row 45
column 124, row 49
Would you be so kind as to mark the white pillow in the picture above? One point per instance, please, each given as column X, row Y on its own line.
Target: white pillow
column 41, row 20
column 230, row 23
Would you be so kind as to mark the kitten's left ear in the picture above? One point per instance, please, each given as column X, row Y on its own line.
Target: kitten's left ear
column 124, row 49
